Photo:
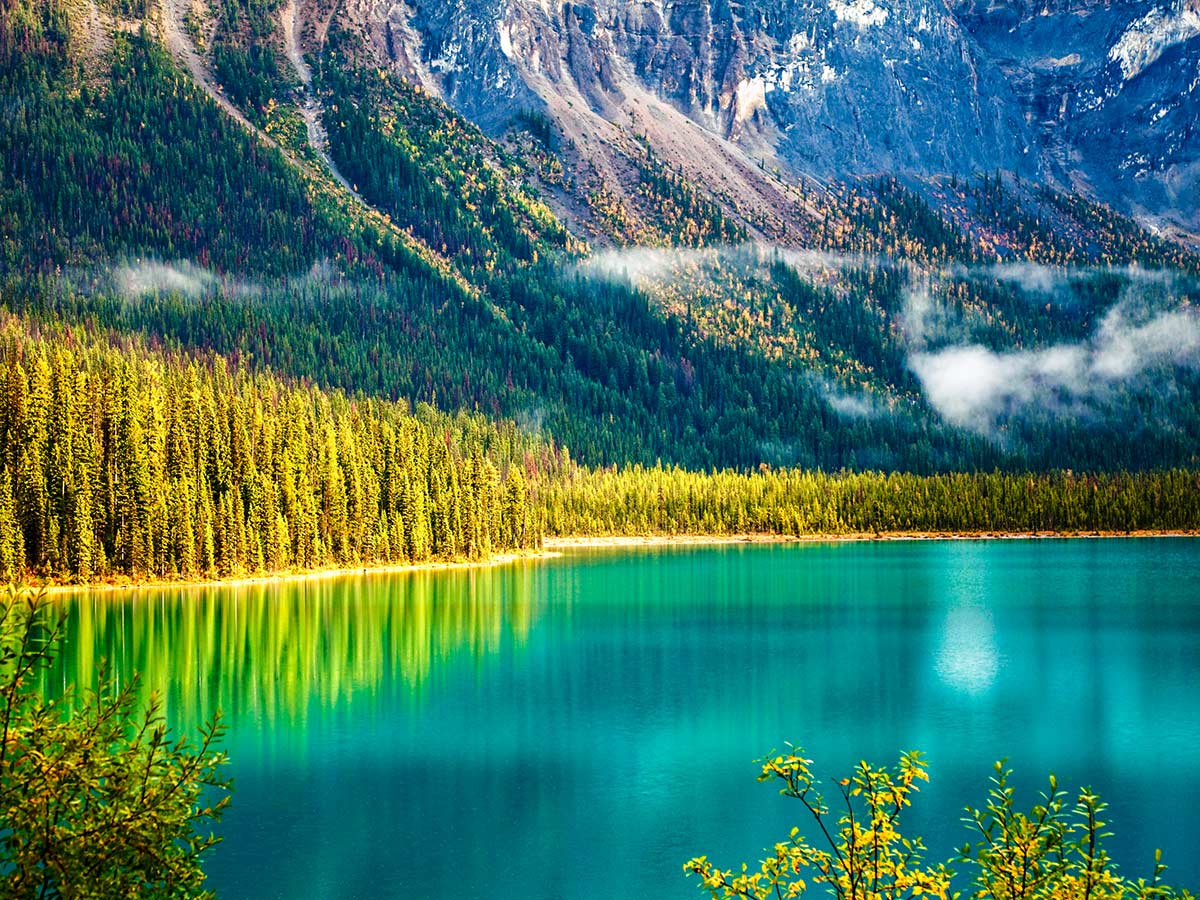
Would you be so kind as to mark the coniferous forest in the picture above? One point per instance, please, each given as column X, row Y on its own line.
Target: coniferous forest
column 214, row 351
column 121, row 461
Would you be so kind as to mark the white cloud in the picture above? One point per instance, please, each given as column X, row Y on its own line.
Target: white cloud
column 973, row 386
column 649, row 265
column 134, row 280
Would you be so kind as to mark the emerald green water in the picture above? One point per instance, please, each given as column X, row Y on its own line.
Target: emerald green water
column 577, row 728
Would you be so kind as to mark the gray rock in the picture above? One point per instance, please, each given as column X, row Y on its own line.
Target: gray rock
column 1113, row 90
column 1103, row 98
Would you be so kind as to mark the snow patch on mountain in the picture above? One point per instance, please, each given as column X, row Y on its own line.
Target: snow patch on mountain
column 506, row 44
column 863, row 13
column 1150, row 36
column 750, row 97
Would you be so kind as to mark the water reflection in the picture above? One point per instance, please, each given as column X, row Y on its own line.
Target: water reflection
column 278, row 652
column 968, row 659
column 530, row 731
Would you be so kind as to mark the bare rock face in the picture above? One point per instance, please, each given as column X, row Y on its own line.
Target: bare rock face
column 1096, row 95
column 842, row 86
column 1113, row 91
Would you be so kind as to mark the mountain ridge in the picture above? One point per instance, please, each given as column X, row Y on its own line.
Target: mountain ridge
column 845, row 88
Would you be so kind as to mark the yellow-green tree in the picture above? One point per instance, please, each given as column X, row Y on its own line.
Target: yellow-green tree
column 866, row 857
column 1054, row 852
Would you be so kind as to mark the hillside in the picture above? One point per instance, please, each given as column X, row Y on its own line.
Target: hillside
column 193, row 180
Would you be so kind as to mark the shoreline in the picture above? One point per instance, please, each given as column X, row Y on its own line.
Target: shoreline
column 129, row 586
column 556, row 547
column 699, row 540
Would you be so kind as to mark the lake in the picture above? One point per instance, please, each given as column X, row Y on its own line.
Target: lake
column 579, row 727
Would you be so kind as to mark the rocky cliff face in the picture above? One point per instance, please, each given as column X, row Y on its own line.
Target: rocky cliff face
column 1102, row 96
column 1113, row 91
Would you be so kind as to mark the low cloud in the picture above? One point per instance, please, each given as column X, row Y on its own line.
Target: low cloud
column 1137, row 345
column 143, row 278
column 975, row 387
column 820, row 262
column 642, row 266
column 918, row 310
column 925, row 318
column 1036, row 278
column 850, row 407
column 134, row 280
column 856, row 404
column 1032, row 278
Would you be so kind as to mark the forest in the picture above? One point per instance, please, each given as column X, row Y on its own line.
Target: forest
column 152, row 249
column 791, row 502
column 119, row 461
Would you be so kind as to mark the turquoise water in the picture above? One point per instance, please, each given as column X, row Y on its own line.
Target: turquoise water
column 578, row 728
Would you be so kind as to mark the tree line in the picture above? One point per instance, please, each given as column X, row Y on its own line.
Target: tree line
column 118, row 461
column 664, row 501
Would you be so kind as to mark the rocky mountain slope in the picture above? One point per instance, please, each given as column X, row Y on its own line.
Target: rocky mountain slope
column 245, row 178
column 1096, row 97
column 1113, row 92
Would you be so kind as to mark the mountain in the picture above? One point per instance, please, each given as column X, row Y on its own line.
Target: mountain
column 251, row 179
column 1113, row 92
column 1097, row 98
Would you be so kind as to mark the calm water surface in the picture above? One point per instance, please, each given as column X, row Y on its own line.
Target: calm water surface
column 580, row 727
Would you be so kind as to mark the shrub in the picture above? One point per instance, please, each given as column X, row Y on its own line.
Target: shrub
column 1054, row 852
column 95, row 800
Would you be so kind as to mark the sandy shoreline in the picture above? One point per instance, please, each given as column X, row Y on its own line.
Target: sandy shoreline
column 503, row 559
column 556, row 547
column 616, row 541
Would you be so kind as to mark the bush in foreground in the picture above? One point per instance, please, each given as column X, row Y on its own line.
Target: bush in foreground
column 1054, row 852
column 95, row 800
